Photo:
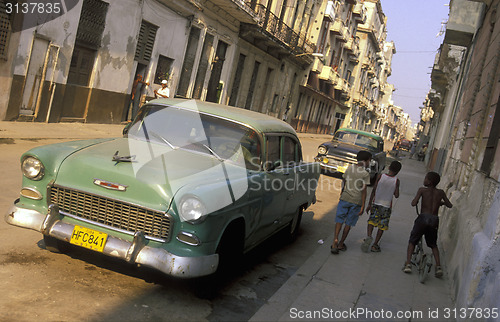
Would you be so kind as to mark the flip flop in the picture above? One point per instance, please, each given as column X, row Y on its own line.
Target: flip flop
column 375, row 248
column 366, row 244
column 344, row 248
column 334, row 250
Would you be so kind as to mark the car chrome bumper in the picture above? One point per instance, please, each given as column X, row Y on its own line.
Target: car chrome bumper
column 136, row 251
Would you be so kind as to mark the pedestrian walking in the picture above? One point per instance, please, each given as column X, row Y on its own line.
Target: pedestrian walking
column 352, row 199
column 380, row 206
column 135, row 96
column 164, row 91
column 413, row 149
column 427, row 222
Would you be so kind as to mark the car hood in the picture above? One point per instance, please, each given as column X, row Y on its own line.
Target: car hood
column 150, row 174
column 343, row 150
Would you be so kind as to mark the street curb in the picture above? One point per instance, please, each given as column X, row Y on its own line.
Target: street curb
column 279, row 304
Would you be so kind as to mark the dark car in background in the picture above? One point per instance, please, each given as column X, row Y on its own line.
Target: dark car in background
column 336, row 155
column 403, row 145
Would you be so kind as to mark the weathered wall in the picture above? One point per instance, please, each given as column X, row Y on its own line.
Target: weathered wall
column 470, row 231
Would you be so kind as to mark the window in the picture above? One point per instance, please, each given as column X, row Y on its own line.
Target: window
column 187, row 65
column 289, row 151
column 5, row 30
column 145, row 43
column 81, row 65
column 203, row 66
column 237, row 80
column 92, row 23
column 163, row 69
column 88, row 40
column 492, row 143
column 253, row 82
column 273, row 149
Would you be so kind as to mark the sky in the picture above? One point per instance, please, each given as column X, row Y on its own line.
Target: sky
column 413, row 25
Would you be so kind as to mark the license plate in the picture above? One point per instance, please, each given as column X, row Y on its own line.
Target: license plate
column 88, row 238
column 341, row 168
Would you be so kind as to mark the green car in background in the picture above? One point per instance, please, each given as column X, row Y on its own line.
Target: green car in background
column 190, row 186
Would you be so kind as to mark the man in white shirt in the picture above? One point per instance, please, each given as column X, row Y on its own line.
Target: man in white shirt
column 163, row 91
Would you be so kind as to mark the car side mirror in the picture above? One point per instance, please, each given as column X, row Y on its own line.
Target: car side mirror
column 126, row 128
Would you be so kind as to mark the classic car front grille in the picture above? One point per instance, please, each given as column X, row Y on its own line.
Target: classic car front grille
column 112, row 213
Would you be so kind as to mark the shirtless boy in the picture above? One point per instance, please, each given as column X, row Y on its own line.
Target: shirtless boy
column 428, row 221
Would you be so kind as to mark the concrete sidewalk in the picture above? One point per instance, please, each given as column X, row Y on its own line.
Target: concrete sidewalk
column 70, row 131
column 361, row 286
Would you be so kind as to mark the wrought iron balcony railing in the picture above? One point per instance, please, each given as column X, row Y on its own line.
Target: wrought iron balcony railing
column 277, row 29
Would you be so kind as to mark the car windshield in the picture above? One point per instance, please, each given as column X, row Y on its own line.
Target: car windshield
column 183, row 128
column 356, row 139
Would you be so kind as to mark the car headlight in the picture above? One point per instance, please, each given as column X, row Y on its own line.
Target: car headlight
column 322, row 150
column 192, row 210
column 32, row 168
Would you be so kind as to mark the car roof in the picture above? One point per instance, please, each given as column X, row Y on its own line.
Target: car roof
column 377, row 137
column 258, row 121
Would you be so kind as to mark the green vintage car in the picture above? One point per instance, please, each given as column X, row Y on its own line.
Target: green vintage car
column 189, row 186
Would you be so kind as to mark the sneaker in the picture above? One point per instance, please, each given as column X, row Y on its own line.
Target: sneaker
column 407, row 268
column 439, row 272
column 365, row 246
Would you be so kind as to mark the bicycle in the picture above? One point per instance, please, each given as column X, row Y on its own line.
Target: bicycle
column 420, row 259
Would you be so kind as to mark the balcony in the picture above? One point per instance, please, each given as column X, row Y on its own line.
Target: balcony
column 273, row 36
column 464, row 19
column 330, row 11
column 338, row 29
column 329, row 74
column 237, row 9
column 359, row 13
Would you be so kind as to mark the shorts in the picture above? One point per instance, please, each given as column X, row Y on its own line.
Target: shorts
column 427, row 225
column 347, row 213
column 379, row 217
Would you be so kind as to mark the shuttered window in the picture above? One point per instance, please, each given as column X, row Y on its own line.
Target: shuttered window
column 88, row 41
column 5, row 30
column 145, row 43
column 92, row 23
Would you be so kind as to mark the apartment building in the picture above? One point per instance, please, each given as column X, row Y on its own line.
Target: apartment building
column 461, row 121
column 304, row 61
column 81, row 64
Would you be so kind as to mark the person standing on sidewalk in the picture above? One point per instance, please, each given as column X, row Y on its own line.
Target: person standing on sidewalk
column 427, row 222
column 135, row 96
column 380, row 205
column 352, row 199
column 164, row 91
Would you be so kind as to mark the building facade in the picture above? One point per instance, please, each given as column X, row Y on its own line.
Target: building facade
column 306, row 62
column 463, row 131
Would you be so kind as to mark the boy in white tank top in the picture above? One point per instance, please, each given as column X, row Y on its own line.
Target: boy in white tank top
column 380, row 205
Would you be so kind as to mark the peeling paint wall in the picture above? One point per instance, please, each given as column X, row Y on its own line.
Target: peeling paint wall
column 469, row 232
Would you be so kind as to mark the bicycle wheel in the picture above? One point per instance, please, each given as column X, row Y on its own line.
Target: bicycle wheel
column 423, row 268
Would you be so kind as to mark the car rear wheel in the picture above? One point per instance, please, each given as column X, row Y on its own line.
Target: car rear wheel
column 55, row 245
